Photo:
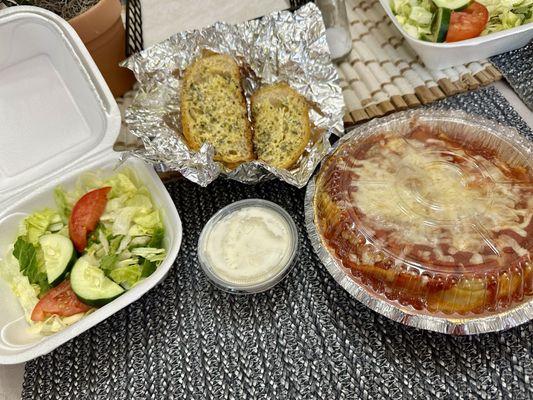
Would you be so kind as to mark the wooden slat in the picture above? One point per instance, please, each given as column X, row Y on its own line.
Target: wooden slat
column 384, row 75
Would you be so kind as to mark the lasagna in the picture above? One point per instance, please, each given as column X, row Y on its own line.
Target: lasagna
column 430, row 220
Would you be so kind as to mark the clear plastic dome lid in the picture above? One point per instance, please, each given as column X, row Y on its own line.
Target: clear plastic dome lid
column 433, row 213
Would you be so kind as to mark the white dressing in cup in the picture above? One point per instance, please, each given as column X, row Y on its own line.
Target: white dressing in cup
column 248, row 246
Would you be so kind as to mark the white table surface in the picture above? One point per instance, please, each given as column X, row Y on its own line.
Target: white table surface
column 161, row 19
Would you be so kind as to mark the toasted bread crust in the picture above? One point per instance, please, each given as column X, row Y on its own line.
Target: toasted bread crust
column 213, row 109
column 280, row 116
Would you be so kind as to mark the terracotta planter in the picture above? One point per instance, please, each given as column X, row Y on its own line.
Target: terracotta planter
column 102, row 31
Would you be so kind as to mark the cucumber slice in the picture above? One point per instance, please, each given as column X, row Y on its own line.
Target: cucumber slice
column 59, row 256
column 452, row 4
column 440, row 25
column 91, row 285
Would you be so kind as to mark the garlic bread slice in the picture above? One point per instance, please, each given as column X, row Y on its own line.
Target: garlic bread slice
column 280, row 117
column 213, row 109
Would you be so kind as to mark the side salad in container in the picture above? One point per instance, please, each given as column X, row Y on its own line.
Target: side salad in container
column 455, row 20
column 102, row 238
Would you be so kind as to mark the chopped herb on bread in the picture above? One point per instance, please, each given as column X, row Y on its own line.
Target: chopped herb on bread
column 213, row 109
column 280, row 116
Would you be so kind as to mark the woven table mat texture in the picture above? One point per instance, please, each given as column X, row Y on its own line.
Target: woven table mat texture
column 305, row 339
column 517, row 68
column 382, row 74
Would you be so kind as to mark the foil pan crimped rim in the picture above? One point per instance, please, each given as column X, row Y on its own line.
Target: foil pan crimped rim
column 281, row 46
column 517, row 315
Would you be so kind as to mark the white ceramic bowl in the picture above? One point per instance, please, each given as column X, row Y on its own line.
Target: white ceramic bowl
column 444, row 55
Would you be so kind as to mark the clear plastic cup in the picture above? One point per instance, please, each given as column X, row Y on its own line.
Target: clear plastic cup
column 263, row 280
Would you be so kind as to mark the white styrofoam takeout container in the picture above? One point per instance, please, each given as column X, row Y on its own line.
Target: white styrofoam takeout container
column 57, row 119
column 444, row 55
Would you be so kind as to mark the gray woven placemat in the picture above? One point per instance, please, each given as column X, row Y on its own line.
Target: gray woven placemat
column 517, row 67
column 304, row 339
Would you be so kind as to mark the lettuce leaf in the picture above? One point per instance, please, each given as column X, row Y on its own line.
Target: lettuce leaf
column 108, row 262
column 129, row 210
column 140, row 201
column 150, row 253
column 26, row 254
column 148, row 268
column 126, row 275
column 146, row 224
column 507, row 14
column 122, row 220
column 156, row 242
column 139, row 241
column 65, row 208
column 121, row 183
column 114, row 244
column 37, row 224
column 19, row 284
column 157, row 237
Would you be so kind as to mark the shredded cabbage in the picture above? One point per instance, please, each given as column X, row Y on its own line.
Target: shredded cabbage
column 507, row 14
column 415, row 16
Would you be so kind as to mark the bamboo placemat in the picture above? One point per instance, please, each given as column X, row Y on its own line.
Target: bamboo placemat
column 382, row 74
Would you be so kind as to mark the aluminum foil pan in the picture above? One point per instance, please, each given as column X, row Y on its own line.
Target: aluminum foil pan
column 492, row 314
column 282, row 46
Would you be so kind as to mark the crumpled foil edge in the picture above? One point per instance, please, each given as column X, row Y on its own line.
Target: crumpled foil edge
column 519, row 314
column 283, row 46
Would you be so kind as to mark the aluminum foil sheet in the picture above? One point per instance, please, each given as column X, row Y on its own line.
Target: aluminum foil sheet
column 282, row 46
column 517, row 314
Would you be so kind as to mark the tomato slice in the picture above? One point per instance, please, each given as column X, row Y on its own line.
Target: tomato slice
column 85, row 216
column 61, row 301
column 468, row 23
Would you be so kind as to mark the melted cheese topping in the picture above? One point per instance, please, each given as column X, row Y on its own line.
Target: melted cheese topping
column 426, row 194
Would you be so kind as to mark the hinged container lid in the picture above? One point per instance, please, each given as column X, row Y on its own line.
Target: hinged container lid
column 56, row 110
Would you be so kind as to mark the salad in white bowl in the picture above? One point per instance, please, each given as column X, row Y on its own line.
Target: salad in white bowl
column 100, row 240
column 456, row 20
